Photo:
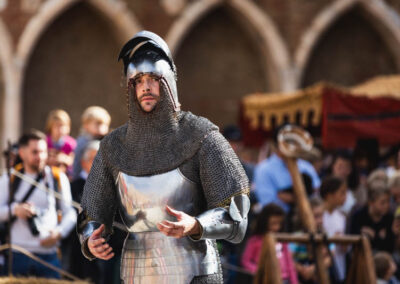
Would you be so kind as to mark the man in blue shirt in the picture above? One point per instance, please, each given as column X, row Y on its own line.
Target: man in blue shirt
column 272, row 179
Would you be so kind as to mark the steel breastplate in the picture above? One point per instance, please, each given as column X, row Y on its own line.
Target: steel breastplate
column 148, row 255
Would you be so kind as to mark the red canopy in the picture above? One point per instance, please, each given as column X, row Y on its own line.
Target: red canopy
column 347, row 118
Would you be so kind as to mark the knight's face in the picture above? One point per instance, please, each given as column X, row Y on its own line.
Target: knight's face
column 147, row 88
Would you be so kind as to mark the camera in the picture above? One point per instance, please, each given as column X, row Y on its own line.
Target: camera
column 33, row 223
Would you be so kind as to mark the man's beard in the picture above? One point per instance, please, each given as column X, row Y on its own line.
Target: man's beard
column 148, row 95
column 37, row 167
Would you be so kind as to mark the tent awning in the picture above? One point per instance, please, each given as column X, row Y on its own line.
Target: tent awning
column 366, row 110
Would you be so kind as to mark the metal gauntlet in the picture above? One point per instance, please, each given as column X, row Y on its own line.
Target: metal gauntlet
column 85, row 229
column 226, row 223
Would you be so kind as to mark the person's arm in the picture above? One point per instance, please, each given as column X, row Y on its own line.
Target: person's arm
column 286, row 196
column 4, row 188
column 18, row 210
column 99, row 204
column 226, row 187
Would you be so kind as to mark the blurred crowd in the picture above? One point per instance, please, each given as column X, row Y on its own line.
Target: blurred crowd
column 349, row 193
column 42, row 224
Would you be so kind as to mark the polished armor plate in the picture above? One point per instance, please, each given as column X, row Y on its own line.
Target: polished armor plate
column 143, row 199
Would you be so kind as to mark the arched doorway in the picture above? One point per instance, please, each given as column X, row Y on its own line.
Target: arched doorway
column 355, row 47
column 218, row 63
column 74, row 65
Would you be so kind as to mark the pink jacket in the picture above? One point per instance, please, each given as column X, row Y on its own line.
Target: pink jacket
column 68, row 146
column 252, row 253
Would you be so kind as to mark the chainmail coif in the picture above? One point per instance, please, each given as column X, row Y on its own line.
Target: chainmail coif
column 158, row 141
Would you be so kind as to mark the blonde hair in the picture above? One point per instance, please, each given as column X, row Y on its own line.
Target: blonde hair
column 377, row 175
column 57, row 115
column 96, row 113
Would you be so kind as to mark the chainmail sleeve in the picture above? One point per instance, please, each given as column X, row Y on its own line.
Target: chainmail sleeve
column 225, row 187
column 99, row 202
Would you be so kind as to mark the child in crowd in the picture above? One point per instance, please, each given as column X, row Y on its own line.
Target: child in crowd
column 375, row 219
column 270, row 219
column 61, row 146
column 385, row 268
column 342, row 168
column 95, row 125
column 303, row 254
column 333, row 192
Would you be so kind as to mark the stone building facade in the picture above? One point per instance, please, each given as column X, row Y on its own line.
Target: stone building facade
column 63, row 53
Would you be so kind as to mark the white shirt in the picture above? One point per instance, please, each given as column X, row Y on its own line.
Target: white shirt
column 45, row 205
column 335, row 224
column 348, row 203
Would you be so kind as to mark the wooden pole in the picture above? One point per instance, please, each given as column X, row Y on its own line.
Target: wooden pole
column 268, row 271
column 306, row 215
column 305, row 238
column 369, row 269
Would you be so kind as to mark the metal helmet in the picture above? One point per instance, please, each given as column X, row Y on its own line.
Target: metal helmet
column 147, row 53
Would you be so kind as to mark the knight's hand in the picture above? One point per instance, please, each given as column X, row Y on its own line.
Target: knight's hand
column 186, row 225
column 98, row 246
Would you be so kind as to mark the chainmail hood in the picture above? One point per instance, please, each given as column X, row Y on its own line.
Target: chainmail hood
column 157, row 141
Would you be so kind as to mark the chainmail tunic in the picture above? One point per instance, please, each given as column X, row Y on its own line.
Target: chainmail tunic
column 157, row 142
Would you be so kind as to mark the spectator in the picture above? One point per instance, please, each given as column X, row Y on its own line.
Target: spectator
column 77, row 264
column 375, row 219
column 394, row 163
column 95, row 125
column 342, row 168
column 333, row 192
column 362, row 191
column 269, row 220
column 272, row 179
column 34, row 223
column 60, row 145
column 385, row 268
